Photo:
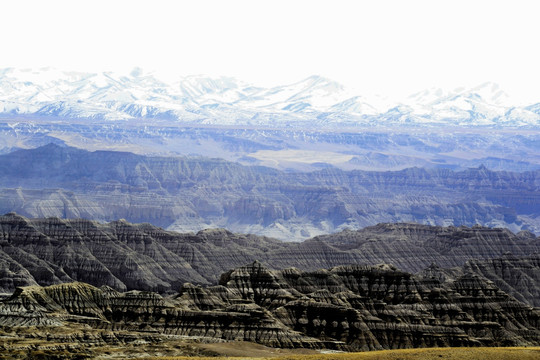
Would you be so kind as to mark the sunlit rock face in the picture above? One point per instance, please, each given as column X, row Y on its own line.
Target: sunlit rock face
column 346, row 307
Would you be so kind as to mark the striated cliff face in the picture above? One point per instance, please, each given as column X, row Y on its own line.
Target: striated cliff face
column 413, row 247
column 190, row 194
column 373, row 307
column 128, row 256
column 518, row 276
column 118, row 254
column 345, row 307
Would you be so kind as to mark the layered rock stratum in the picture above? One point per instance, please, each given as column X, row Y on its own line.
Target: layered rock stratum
column 350, row 307
column 127, row 256
column 191, row 194
column 518, row 276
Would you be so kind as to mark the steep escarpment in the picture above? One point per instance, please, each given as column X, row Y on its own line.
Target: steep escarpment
column 346, row 307
column 118, row 254
column 190, row 194
column 413, row 247
column 129, row 256
column 518, row 276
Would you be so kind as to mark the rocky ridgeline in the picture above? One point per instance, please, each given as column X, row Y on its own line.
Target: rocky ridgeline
column 128, row 256
column 195, row 193
column 518, row 276
column 346, row 307
column 413, row 247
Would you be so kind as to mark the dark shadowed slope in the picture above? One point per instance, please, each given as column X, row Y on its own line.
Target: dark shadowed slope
column 142, row 256
column 518, row 276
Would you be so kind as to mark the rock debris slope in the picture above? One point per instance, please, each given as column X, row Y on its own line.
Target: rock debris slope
column 128, row 256
column 345, row 307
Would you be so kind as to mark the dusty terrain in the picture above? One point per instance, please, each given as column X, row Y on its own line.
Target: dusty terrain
column 521, row 353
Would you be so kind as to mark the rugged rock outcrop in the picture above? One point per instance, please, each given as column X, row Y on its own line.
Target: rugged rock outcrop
column 346, row 307
column 190, row 194
column 518, row 276
column 128, row 256
column 413, row 247
column 117, row 254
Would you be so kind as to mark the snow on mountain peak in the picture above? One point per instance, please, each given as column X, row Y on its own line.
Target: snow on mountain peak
column 225, row 100
column 492, row 93
column 136, row 72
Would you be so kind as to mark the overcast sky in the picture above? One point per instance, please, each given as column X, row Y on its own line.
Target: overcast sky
column 385, row 47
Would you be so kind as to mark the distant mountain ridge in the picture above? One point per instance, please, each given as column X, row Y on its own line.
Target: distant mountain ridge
column 193, row 193
column 50, row 93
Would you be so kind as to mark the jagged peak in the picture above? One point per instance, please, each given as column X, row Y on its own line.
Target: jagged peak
column 433, row 266
column 257, row 264
column 391, row 227
column 53, row 145
column 50, row 148
column 214, row 232
column 386, row 267
column 13, row 216
column 318, row 79
column 482, row 168
column 526, row 234
column 46, row 295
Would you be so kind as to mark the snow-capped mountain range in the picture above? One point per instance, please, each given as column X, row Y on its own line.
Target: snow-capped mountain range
column 315, row 101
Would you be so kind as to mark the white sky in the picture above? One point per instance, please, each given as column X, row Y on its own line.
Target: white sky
column 384, row 47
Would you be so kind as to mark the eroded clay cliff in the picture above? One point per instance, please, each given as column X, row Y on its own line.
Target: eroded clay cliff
column 128, row 256
column 346, row 307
